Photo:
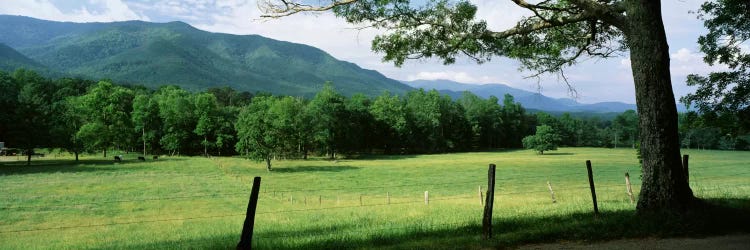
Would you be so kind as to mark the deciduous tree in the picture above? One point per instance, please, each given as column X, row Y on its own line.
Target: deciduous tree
column 266, row 128
column 545, row 139
column 107, row 109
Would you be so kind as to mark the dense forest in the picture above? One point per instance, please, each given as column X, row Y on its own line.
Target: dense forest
column 80, row 115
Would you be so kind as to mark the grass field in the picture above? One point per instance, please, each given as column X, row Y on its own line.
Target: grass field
column 200, row 203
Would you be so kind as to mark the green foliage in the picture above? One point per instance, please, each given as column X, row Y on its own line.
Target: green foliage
column 515, row 124
column 176, row 108
column 33, row 115
column 390, row 121
column 145, row 118
column 206, row 110
column 448, row 29
column 545, row 139
column 10, row 60
column 175, row 121
column 723, row 98
column 9, row 89
column 328, row 115
column 266, row 128
column 106, row 108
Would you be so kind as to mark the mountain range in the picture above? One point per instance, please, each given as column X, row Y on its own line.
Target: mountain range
column 156, row 54
column 530, row 100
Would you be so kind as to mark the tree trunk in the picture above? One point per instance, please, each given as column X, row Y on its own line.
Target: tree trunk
column 143, row 136
column 76, row 153
column 205, row 145
column 268, row 163
column 28, row 157
column 664, row 188
column 105, row 152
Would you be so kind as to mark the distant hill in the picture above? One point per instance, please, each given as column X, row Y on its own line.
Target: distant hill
column 155, row 54
column 11, row 60
column 530, row 100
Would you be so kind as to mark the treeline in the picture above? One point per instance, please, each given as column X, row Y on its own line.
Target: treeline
column 715, row 130
column 86, row 116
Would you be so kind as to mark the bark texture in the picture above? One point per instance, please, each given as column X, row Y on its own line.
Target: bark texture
column 665, row 187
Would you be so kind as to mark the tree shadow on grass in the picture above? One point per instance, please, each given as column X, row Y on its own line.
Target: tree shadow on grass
column 716, row 219
column 69, row 166
column 383, row 156
column 554, row 153
column 300, row 169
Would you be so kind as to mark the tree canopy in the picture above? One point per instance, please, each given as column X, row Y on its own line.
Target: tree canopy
column 723, row 98
column 545, row 139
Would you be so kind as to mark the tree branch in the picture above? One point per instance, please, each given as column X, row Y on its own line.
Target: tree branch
column 290, row 7
column 610, row 13
column 536, row 26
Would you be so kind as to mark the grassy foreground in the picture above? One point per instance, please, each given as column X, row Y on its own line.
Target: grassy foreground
column 362, row 203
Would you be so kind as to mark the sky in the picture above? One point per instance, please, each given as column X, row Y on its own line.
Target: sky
column 595, row 80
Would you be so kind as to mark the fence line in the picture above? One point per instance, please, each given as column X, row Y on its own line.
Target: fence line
column 218, row 195
column 133, row 200
column 98, row 179
column 369, row 187
column 221, row 195
column 120, row 223
column 213, row 216
column 363, row 205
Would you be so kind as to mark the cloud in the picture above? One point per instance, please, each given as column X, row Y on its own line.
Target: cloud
column 90, row 11
column 500, row 15
column 462, row 77
column 685, row 55
column 685, row 62
column 624, row 63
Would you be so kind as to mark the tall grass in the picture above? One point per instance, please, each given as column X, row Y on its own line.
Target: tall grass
column 200, row 203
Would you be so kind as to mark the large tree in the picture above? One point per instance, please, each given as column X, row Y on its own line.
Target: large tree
column 545, row 139
column 32, row 114
column 145, row 118
column 327, row 109
column 106, row 108
column 266, row 128
column 176, row 107
column 557, row 33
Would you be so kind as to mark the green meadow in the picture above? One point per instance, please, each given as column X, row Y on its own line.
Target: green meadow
column 362, row 203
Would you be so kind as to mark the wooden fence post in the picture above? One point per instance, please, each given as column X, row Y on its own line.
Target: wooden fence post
column 591, row 184
column 481, row 202
column 629, row 188
column 246, row 238
column 426, row 198
column 552, row 193
column 685, row 168
column 487, row 219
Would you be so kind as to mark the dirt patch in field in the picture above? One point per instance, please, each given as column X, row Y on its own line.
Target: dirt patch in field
column 737, row 241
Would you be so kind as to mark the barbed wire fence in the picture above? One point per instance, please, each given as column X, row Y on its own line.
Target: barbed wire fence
column 544, row 186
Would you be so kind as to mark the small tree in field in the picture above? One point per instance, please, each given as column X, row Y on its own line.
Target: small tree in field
column 545, row 139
